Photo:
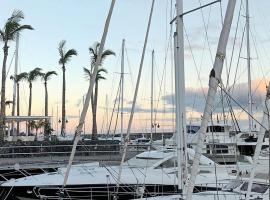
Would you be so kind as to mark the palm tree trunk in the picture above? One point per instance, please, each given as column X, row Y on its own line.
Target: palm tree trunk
column 63, row 125
column 46, row 99
column 29, row 105
column 3, row 94
column 30, row 99
column 94, row 128
column 18, row 108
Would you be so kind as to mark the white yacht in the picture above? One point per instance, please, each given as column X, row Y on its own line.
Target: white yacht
column 148, row 174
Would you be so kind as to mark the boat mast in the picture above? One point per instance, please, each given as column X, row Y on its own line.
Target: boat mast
column 15, row 85
column 135, row 95
column 152, row 93
column 89, row 92
column 259, row 144
column 122, row 87
column 214, row 80
column 250, row 121
column 15, row 74
column 180, row 93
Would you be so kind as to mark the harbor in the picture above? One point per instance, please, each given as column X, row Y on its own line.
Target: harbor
column 129, row 100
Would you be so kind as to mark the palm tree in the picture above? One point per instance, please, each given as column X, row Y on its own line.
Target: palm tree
column 36, row 125
column 32, row 76
column 65, row 56
column 94, row 96
column 19, row 77
column 46, row 76
column 32, row 125
column 11, row 28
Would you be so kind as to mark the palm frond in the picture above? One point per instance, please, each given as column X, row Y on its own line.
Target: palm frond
column 34, row 74
column 46, row 76
column 100, row 77
column 87, row 73
column 69, row 54
column 20, row 77
column 22, row 27
column 2, row 35
column 9, row 28
column 100, row 70
column 61, row 50
column 32, row 125
column 16, row 16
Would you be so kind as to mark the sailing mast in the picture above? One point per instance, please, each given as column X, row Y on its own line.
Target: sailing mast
column 214, row 80
column 135, row 94
column 260, row 141
column 122, row 87
column 15, row 86
column 180, row 94
column 250, row 121
column 89, row 92
column 152, row 93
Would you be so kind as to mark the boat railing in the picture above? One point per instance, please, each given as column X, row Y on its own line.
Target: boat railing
column 64, row 150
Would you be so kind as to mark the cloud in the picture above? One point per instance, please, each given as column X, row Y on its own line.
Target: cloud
column 139, row 109
column 195, row 99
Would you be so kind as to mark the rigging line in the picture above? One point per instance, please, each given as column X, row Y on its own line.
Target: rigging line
column 117, row 114
column 234, row 43
column 206, row 32
column 114, row 176
column 214, row 153
column 204, row 43
column 117, row 98
column 231, row 89
column 235, row 101
column 129, row 67
column 136, row 89
column 257, row 55
column 172, row 10
column 192, row 55
column 162, row 77
column 11, row 63
column 235, row 122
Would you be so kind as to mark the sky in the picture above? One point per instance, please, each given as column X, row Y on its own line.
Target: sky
column 81, row 24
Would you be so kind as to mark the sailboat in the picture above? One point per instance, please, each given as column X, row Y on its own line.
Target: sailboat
column 119, row 182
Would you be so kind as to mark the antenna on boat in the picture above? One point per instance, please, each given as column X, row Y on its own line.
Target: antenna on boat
column 89, row 92
column 214, row 80
column 122, row 87
column 250, row 120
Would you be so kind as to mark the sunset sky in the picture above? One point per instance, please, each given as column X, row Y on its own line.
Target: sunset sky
column 81, row 24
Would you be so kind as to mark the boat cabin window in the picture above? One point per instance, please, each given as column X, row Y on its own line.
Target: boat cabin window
column 215, row 129
column 168, row 164
column 192, row 129
column 256, row 187
column 142, row 140
column 244, row 135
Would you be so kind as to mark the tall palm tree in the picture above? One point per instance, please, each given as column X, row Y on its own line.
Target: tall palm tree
column 18, row 78
column 32, row 76
column 65, row 56
column 94, row 96
column 11, row 28
column 46, row 76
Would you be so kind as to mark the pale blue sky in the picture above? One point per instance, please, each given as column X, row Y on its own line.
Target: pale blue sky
column 81, row 24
